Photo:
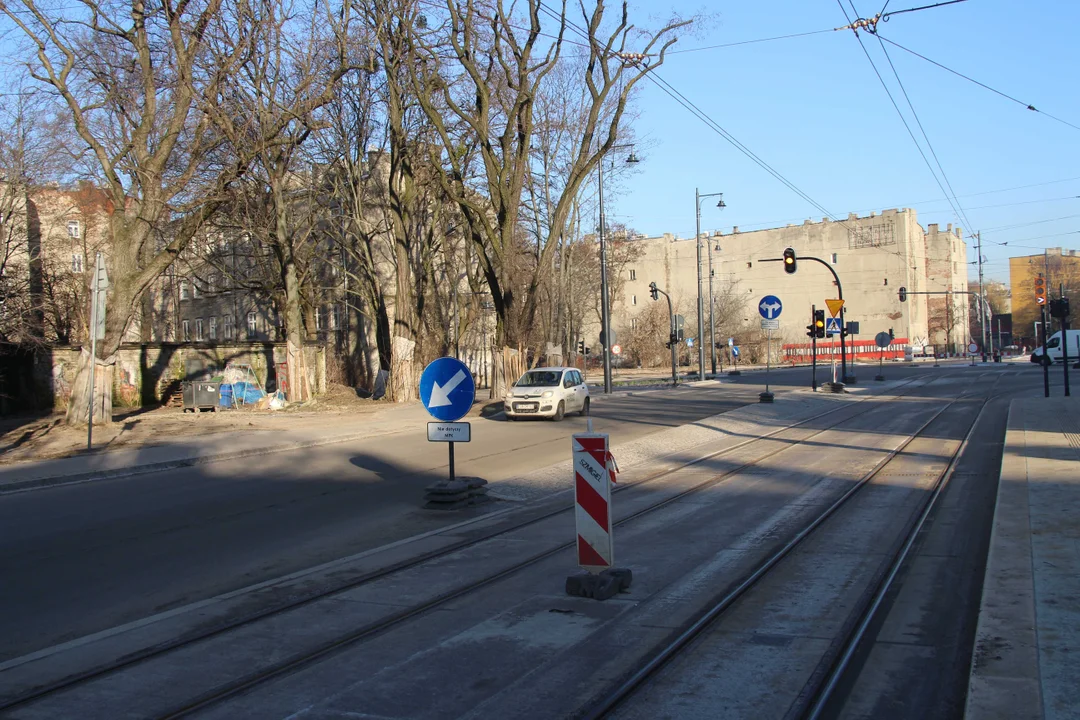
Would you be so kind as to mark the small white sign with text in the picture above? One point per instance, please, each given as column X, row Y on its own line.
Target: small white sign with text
column 449, row 432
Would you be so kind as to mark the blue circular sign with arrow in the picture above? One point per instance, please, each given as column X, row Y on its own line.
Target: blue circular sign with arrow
column 447, row 389
column 770, row 307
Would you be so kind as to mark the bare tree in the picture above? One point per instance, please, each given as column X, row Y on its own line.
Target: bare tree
column 144, row 93
column 477, row 77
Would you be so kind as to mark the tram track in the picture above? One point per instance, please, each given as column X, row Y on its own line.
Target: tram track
column 239, row 685
column 819, row 694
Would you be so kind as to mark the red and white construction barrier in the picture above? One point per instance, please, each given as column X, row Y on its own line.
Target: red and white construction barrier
column 594, row 472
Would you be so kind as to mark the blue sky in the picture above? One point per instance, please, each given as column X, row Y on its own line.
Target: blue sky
column 813, row 108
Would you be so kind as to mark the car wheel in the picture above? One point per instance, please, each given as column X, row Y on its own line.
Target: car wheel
column 585, row 408
column 559, row 412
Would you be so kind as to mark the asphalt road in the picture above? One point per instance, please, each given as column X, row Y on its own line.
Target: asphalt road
column 79, row 559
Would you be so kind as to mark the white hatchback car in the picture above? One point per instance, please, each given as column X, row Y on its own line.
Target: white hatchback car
column 547, row 392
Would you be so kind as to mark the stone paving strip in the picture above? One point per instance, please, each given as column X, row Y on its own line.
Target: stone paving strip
column 1026, row 660
column 325, row 618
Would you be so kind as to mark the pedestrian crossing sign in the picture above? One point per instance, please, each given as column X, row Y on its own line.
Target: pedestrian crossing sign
column 832, row 326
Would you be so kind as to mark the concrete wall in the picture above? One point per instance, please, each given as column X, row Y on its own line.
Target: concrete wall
column 144, row 373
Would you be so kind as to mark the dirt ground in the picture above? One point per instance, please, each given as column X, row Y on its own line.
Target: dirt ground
column 45, row 438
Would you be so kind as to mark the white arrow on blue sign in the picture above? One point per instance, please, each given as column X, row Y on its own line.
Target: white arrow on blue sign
column 770, row 307
column 447, row 389
column 832, row 326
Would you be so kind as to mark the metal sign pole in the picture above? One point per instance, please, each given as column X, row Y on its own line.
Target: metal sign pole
column 813, row 348
column 93, row 357
column 451, row 444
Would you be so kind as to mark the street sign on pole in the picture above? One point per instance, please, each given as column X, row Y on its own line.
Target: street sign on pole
column 449, row 432
column 832, row 326
column 616, row 349
column 447, row 391
column 770, row 307
column 770, row 324
column 731, row 342
column 834, row 306
column 883, row 340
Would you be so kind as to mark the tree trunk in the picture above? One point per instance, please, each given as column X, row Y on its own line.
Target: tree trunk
column 294, row 338
column 79, row 404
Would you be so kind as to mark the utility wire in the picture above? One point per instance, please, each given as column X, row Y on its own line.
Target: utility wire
column 751, row 42
column 1028, row 106
column 926, row 137
column 924, row 7
column 900, row 113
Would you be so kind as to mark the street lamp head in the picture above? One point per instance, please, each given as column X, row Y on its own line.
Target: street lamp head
column 721, row 204
column 633, row 158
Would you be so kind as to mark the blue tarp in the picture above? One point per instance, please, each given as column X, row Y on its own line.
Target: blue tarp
column 244, row 392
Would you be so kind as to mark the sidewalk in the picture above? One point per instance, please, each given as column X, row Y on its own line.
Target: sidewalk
column 1026, row 661
column 185, row 451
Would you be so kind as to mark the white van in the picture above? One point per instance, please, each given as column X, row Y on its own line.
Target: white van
column 1053, row 349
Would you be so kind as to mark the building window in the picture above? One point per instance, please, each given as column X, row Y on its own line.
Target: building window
column 633, row 274
column 198, row 330
column 73, row 228
column 633, row 323
column 194, row 288
column 228, row 322
column 886, row 281
column 633, row 299
column 318, row 318
column 252, row 319
column 834, row 258
column 76, row 262
column 213, row 328
column 335, row 317
column 185, row 290
column 749, row 265
column 185, row 330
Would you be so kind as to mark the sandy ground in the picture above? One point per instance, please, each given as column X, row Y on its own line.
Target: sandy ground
column 44, row 438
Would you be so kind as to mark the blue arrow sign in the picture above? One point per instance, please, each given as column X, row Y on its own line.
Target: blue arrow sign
column 447, row 389
column 770, row 307
column 832, row 326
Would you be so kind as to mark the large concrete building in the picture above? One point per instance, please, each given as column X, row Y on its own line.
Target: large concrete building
column 874, row 257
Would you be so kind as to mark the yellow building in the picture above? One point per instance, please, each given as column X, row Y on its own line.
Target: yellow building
column 1059, row 267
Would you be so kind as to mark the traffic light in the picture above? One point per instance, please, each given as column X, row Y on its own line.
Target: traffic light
column 789, row 260
column 810, row 331
column 581, row 347
column 891, row 336
column 653, row 291
column 1040, row 289
column 903, row 294
column 819, row 323
column 1059, row 308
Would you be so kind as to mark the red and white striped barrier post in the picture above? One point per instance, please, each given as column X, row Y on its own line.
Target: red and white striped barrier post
column 594, row 474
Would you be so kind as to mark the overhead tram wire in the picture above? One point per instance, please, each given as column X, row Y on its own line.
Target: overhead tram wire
column 907, row 126
column 1027, row 106
column 926, row 137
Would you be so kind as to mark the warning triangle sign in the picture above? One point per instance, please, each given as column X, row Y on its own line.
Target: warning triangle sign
column 834, row 306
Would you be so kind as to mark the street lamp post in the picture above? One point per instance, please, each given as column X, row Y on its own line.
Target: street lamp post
column 605, row 311
column 698, row 197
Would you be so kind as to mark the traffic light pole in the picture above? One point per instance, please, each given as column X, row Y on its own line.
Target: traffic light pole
column 1046, row 354
column 673, row 336
column 813, row 348
column 1064, row 339
column 843, row 328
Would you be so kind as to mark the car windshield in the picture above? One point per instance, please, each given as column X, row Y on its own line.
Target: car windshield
column 540, row 378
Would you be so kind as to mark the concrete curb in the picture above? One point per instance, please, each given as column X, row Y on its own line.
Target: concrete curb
column 1004, row 682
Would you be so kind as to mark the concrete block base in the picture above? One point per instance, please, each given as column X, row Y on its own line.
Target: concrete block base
column 765, row 397
column 879, row 378
column 455, row 494
column 602, row 586
column 832, row 387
